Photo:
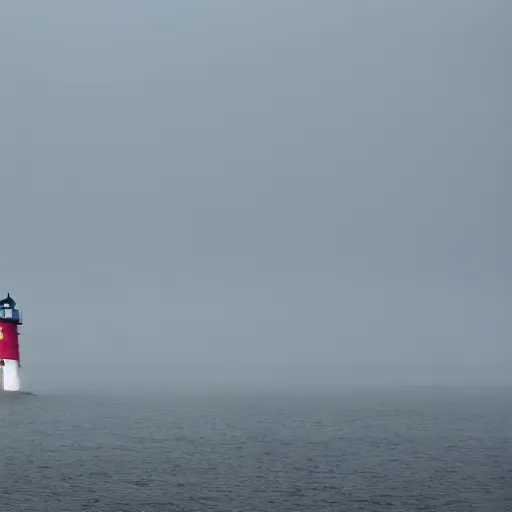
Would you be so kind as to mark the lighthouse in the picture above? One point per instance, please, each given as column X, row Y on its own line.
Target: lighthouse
column 10, row 319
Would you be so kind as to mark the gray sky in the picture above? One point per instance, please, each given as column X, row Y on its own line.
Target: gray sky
column 272, row 192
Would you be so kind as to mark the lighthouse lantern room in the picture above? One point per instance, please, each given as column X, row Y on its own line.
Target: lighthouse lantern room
column 10, row 319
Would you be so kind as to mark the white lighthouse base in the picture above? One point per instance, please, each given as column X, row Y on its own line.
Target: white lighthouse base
column 10, row 376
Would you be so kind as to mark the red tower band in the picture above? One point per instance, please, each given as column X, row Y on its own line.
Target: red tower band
column 10, row 319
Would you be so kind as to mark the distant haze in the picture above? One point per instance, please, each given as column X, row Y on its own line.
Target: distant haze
column 281, row 193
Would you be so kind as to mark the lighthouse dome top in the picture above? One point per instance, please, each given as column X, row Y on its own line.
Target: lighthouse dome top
column 7, row 303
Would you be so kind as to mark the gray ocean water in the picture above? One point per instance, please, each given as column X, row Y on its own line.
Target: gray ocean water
column 390, row 450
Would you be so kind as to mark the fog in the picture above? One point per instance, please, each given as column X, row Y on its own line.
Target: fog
column 263, row 193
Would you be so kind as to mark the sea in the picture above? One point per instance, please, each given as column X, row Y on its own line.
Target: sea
column 400, row 449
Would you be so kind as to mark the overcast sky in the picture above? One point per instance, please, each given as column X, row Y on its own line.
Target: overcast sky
column 274, row 192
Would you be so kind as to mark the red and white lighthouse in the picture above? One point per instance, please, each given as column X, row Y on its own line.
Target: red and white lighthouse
column 10, row 319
